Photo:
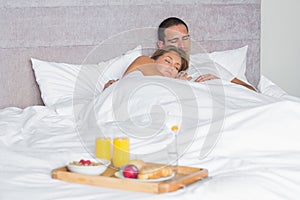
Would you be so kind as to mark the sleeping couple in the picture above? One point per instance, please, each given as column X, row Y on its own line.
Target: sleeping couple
column 171, row 59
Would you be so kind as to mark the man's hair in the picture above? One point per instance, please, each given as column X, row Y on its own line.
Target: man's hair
column 184, row 61
column 171, row 21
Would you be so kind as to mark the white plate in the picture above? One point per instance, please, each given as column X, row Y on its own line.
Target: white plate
column 120, row 175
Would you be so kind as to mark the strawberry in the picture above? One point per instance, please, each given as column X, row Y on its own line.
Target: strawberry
column 82, row 161
column 88, row 162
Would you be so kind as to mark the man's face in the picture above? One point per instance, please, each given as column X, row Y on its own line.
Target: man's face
column 176, row 36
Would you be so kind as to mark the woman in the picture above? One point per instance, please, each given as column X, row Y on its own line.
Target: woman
column 167, row 61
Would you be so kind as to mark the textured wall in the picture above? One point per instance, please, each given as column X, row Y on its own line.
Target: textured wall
column 67, row 30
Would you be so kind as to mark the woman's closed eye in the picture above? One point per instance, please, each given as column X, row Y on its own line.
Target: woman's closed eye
column 167, row 60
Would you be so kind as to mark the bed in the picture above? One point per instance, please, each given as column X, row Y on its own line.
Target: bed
column 56, row 57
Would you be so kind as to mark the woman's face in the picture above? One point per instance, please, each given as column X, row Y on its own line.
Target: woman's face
column 169, row 64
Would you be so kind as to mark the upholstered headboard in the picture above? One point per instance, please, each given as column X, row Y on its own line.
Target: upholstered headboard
column 66, row 31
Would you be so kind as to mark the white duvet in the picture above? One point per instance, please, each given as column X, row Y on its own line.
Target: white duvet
column 249, row 142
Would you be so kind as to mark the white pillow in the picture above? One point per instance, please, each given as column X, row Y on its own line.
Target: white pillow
column 60, row 82
column 232, row 60
column 267, row 87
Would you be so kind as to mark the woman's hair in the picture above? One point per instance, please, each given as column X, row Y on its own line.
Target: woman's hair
column 171, row 21
column 180, row 52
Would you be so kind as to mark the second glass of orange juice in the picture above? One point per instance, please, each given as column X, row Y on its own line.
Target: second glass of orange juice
column 121, row 154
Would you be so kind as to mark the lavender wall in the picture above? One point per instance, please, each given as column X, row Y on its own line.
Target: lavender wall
column 67, row 30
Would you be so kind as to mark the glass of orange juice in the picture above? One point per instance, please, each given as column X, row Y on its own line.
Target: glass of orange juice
column 120, row 151
column 102, row 148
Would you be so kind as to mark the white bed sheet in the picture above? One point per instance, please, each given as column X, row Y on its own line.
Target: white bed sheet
column 257, row 154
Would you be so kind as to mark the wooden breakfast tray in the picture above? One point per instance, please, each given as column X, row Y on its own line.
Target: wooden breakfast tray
column 184, row 176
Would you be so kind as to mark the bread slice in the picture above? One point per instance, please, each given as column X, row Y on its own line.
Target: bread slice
column 138, row 163
column 154, row 172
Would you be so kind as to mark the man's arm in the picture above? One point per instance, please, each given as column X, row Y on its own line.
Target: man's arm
column 109, row 83
column 237, row 81
column 140, row 61
column 207, row 77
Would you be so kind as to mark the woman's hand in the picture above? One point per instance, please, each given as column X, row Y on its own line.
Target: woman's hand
column 109, row 83
column 206, row 77
column 183, row 76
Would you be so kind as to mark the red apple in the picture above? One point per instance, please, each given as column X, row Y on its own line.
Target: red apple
column 130, row 171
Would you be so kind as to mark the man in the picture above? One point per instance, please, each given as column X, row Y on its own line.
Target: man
column 174, row 31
